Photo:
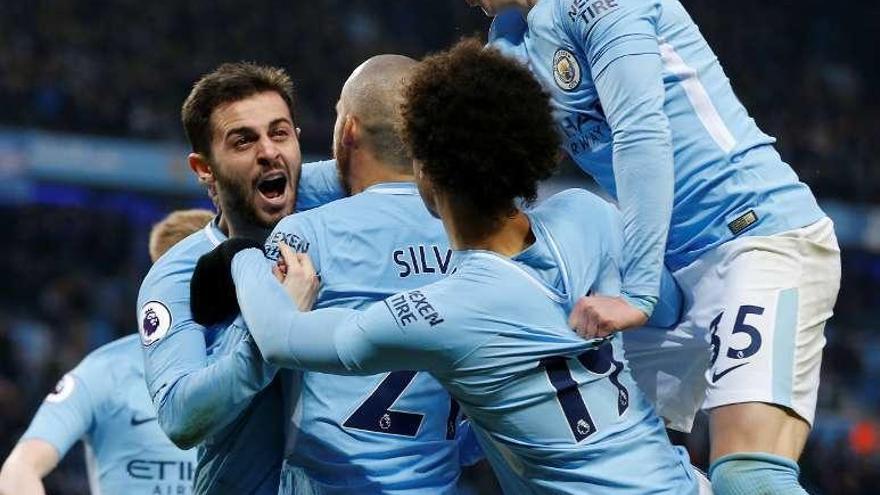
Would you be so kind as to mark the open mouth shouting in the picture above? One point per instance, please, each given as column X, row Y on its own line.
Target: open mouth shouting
column 272, row 190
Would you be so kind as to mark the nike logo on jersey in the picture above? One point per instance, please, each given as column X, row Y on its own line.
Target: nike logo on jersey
column 718, row 376
column 135, row 421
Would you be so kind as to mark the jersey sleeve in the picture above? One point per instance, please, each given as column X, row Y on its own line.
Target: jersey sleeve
column 193, row 396
column 620, row 42
column 334, row 340
column 318, row 184
column 72, row 409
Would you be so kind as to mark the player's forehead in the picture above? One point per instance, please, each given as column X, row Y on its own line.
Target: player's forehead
column 257, row 112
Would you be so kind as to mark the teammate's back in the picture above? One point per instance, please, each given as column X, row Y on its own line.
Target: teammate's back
column 549, row 408
column 386, row 433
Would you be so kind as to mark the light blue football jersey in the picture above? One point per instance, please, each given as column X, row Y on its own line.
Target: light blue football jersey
column 555, row 413
column 103, row 401
column 210, row 386
column 386, row 433
column 643, row 105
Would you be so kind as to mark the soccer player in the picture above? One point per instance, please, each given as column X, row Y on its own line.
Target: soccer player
column 210, row 386
column 554, row 413
column 643, row 105
column 391, row 432
column 104, row 402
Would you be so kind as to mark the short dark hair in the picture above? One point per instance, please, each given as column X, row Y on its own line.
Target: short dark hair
column 481, row 125
column 228, row 83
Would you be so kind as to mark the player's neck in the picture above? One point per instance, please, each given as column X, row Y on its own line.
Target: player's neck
column 507, row 235
column 366, row 172
column 236, row 227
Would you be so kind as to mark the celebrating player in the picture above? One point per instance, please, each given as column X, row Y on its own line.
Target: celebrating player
column 554, row 413
column 104, row 402
column 393, row 432
column 644, row 107
column 210, row 386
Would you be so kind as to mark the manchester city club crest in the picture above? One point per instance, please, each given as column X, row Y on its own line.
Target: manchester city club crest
column 566, row 70
column 155, row 322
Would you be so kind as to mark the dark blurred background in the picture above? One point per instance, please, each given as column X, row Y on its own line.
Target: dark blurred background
column 92, row 153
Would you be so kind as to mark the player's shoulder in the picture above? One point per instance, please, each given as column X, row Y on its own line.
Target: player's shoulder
column 116, row 351
column 110, row 359
column 575, row 205
column 296, row 230
column 183, row 256
column 582, row 224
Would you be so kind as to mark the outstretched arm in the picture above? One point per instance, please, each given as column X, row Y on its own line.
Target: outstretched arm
column 333, row 340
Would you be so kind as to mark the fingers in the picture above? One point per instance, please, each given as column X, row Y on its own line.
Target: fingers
column 288, row 255
column 589, row 321
column 306, row 264
column 279, row 273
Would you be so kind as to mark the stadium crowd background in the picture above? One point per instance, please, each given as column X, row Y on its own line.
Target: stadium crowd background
column 73, row 254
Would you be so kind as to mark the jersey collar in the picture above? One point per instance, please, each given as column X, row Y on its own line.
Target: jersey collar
column 213, row 232
column 403, row 188
column 542, row 234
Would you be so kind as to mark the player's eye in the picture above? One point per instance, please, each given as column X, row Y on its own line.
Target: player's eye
column 240, row 142
column 280, row 133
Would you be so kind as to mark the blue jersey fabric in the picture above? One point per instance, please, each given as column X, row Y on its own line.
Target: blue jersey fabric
column 385, row 433
column 555, row 413
column 643, row 105
column 103, row 401
column 210, row 386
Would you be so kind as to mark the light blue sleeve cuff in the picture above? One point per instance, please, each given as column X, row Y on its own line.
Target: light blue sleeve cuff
column 645, row 304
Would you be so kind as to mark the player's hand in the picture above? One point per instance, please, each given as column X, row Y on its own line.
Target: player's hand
column 299, row 278
column 212, row 297
column 600, row 316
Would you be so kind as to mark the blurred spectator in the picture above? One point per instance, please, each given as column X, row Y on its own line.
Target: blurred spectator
column 803, row 69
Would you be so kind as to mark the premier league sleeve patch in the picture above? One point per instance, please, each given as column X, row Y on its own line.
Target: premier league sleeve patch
column 155, row 322
column 62, row 389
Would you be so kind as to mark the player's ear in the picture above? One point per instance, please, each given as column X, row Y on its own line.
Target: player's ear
column 351, row 131
column 201, row 167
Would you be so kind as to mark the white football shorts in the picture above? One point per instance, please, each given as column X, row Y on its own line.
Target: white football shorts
column 752, row 328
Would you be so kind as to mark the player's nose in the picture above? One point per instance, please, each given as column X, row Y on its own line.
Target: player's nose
column 267, row 149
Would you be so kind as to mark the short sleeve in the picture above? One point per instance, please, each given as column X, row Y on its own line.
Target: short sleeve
column 69, row 412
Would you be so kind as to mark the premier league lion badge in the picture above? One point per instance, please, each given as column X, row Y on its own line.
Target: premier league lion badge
column 62, row 389
column 155, row 322
column 566, row 70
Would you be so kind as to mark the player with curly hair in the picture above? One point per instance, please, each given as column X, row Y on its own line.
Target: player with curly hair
column 554, row 413
column 644, row 106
